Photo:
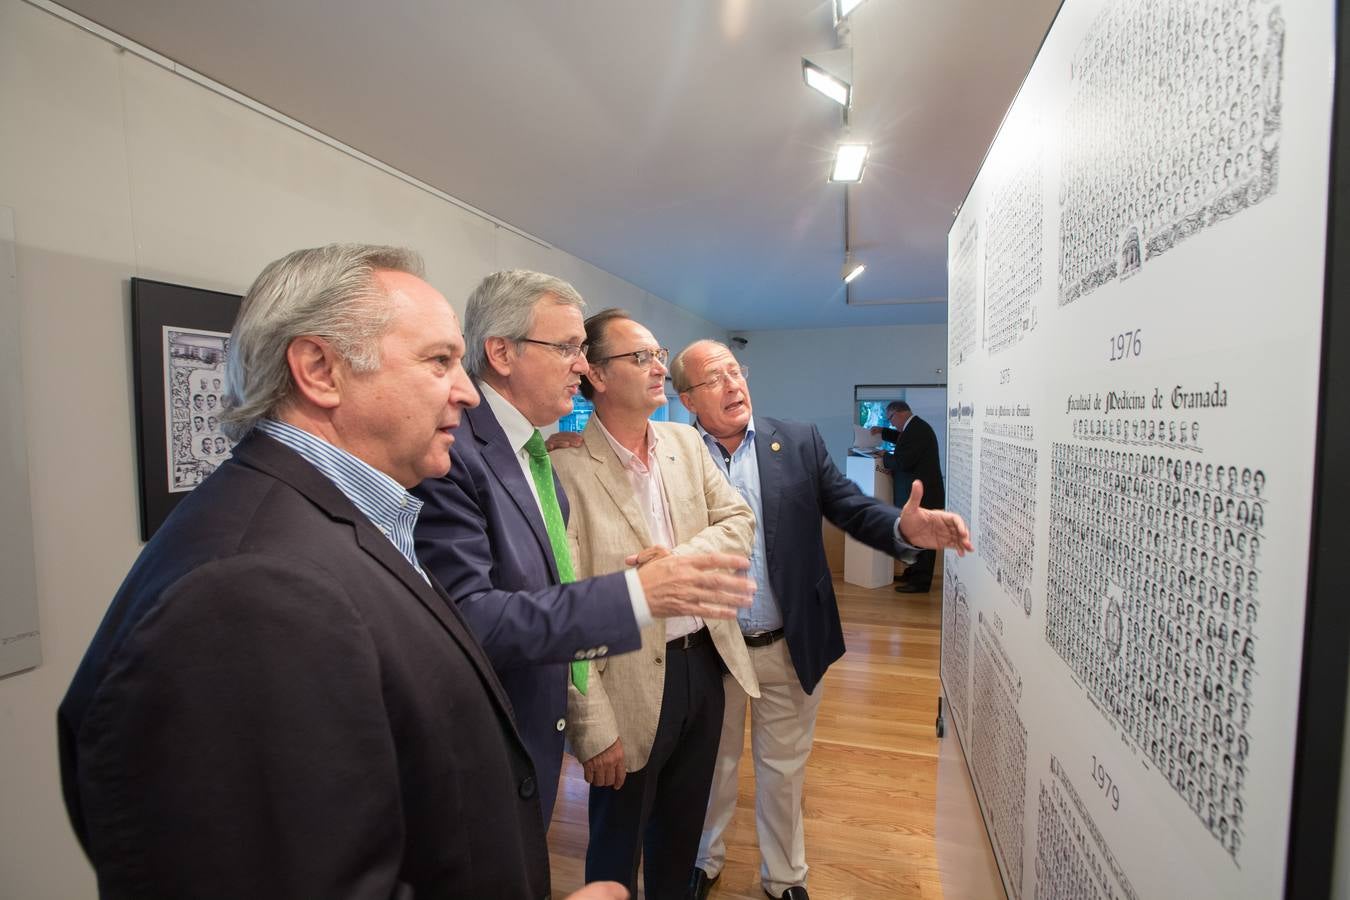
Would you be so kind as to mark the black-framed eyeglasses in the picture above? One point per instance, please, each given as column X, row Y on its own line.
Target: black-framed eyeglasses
column 566, row 351
column 715, row 380
column 643, row 358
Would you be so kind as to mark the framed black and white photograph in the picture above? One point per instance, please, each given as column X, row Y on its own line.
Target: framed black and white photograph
column 181, row 338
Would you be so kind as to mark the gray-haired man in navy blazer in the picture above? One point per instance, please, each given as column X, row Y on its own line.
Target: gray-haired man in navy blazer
column 792, row 630
column 483, row 531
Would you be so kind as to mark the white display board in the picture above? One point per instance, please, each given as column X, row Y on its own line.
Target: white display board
column 1136, row 292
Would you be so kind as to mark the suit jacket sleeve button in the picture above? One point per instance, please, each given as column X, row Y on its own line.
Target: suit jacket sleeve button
column 562, row 723
column 527, row 789
column 602, row 650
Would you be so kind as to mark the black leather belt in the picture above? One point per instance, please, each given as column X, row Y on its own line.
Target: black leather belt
column 764, row 638
column 693, row 639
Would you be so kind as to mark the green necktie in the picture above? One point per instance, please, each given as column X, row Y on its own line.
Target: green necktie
column 541, row 470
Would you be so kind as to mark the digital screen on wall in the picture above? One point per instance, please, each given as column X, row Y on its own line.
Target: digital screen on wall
column 1136, row 284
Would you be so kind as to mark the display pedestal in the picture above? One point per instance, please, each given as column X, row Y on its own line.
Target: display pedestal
column 864, row 566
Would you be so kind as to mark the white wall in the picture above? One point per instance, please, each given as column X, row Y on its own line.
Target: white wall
column 116, row 167
column 809, row 374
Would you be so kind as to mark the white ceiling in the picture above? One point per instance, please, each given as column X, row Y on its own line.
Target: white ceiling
column 671, row 143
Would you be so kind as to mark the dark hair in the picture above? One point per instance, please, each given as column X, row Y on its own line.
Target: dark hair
column 597, row 336
column 897, row 406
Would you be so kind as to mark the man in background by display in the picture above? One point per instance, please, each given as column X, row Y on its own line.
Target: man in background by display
column 792, row 630
column 916, row 456
column 279, row 703
column 493, row 530
column 646, row 724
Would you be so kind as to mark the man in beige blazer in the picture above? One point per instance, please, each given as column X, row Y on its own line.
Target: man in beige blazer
column 648, row 724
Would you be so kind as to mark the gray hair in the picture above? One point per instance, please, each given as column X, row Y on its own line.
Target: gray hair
column 503, row 306
column 326, row 292
column 679, row 373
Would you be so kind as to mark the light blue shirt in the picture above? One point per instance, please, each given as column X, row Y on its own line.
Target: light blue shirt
column 380, row 498
column 742, row 470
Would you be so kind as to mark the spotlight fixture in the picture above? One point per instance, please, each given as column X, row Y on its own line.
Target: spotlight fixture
column 831, row 74
column 848, row 163
column 852, row 269
column 843, row 7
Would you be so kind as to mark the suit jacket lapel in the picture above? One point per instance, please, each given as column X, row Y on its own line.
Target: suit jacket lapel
column 502, row 460
column 614, row 479
column 261, row 452
column 772, row 477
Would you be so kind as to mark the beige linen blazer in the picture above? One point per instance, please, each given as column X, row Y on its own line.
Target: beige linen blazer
column 623, row 699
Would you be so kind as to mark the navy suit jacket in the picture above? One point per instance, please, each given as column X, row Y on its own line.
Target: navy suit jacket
column 481, row 535
column 800, row 484
column 278, row 705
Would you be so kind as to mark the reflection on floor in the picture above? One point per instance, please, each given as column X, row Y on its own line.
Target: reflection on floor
column 889, row 807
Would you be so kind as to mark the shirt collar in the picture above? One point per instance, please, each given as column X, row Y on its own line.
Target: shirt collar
column 515, row 426
column 630, row 459
column 379, row 498
column 748, row 441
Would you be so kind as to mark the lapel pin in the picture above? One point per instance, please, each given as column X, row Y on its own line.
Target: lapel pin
column 775, row 446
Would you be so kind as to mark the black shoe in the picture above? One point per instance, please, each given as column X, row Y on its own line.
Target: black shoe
column 700, row 884
column 908, row 588
column 793, row 893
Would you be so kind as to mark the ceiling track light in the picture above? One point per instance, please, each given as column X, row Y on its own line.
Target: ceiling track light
column 830, row 73
column 849, row 160
column 852, row 268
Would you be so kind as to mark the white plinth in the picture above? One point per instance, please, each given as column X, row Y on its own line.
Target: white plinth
column 864, row 566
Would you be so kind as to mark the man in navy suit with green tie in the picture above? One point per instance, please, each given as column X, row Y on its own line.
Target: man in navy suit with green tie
column 492, row 531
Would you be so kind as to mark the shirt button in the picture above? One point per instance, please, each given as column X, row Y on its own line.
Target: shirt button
column 562, row 723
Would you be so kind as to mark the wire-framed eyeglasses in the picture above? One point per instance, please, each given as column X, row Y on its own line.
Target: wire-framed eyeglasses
column 716, row 379
column 566, row 351
column 643, row 358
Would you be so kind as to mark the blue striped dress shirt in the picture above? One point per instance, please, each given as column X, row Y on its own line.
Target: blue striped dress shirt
column 380, row 498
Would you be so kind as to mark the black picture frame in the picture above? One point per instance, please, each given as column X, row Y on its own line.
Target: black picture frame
column 155, row 307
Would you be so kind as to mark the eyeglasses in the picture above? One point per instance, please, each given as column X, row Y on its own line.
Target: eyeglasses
column 566, row 351
column 643, row 358
column 714, row 381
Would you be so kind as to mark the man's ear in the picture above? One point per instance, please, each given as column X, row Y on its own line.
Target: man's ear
column 317, row 371
column 501, row 354
column 596, row 376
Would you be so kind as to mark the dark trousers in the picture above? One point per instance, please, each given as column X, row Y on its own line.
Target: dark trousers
column 657, row 816
column 920, row 572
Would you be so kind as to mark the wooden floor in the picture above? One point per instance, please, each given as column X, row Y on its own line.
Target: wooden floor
column 889, row 808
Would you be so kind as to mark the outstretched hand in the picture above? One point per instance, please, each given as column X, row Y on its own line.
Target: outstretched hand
column 703, row 584
column 933, row 529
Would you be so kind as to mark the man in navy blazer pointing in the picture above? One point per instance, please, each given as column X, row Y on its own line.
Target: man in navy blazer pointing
column 484, row 531
column 792, row 629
